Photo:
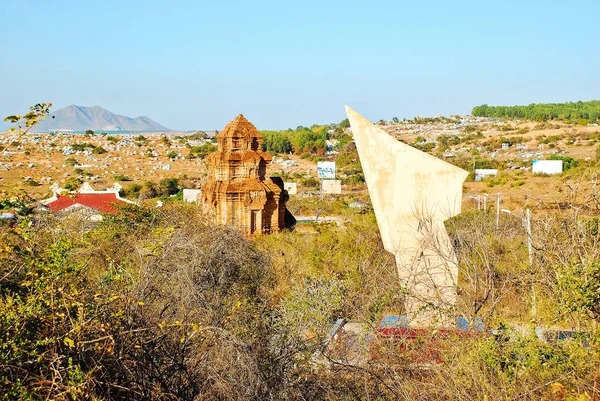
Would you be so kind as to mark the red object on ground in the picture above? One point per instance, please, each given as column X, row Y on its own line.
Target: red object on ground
column 101, row 202
column 421, row 345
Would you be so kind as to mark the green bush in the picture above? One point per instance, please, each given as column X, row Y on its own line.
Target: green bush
column 310, row 182
column 121, row 177
column 72, row 184
column 568, row 162
column 202, row 151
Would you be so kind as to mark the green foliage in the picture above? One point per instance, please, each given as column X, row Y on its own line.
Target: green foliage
column 302, row 140
column 69, row 161
column 493, row 181
column 579, row 288
column 121, row 177
column 77, row 320
column 72, row 184
column 313, row 305
column 199, row 135
column 24, row 123
column 46, row 316
column 83, row 146
column 568, row 162
column 202, row 151
column 132, row 191
column 19, row 202
column 172, row 154
column 169, row 186
column 98, row 150
column 165, row 140
column 345, row 123
column 310, row 182
column 543, row 111
column 89, row 132
column 162, row 304
column 276, row 142
column 151, row 189
column 425, row 147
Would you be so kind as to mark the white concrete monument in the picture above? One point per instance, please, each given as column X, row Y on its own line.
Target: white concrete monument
column 413, row 193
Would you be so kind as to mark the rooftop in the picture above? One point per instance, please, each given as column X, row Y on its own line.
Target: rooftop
column 239, row 127
column 104, row 202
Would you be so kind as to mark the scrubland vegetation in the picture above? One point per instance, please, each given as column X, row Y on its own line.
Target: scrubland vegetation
column 161, row 304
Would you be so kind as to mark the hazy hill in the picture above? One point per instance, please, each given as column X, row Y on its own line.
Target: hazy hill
column 80, row 118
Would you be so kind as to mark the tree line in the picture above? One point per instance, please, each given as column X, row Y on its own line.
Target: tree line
column 303, row 139
column 544, row 111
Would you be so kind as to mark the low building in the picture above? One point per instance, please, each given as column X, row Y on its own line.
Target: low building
column 191, row 195
column 86, row 202
column 481, row 173
column 547, row 167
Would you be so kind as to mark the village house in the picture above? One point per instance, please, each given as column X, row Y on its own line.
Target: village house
column 87, row 202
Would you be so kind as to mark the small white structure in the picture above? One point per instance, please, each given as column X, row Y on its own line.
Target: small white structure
column 547, row 167
column 331, row 186
column 505, row 145
column 86, row 188
column 481, row 173
column 326, row 169
column 191, row 195
column 290, row 187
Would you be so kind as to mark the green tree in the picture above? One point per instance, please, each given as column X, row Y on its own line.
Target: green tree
column 202, row 151
column 72, row 184
column 345, row 123
column 568, row 162
column 169, row 186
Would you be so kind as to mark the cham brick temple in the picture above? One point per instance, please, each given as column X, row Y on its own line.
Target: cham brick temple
column 238, row 191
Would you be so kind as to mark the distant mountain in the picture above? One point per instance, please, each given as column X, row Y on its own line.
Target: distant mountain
column 80, row 118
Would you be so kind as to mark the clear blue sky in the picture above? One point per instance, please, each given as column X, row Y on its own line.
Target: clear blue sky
column 197, row 64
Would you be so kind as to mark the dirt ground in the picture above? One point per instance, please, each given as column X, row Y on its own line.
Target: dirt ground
column 39, row 160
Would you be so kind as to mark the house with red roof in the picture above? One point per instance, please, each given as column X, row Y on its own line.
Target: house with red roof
column 86, row 201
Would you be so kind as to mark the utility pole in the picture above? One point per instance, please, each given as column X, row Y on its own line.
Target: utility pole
column 530, row 250
column 498, row 211
column 528, row 227
column 485, row 202
column 526, row 222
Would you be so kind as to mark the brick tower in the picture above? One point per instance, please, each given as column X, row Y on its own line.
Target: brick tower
column 237, row 190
